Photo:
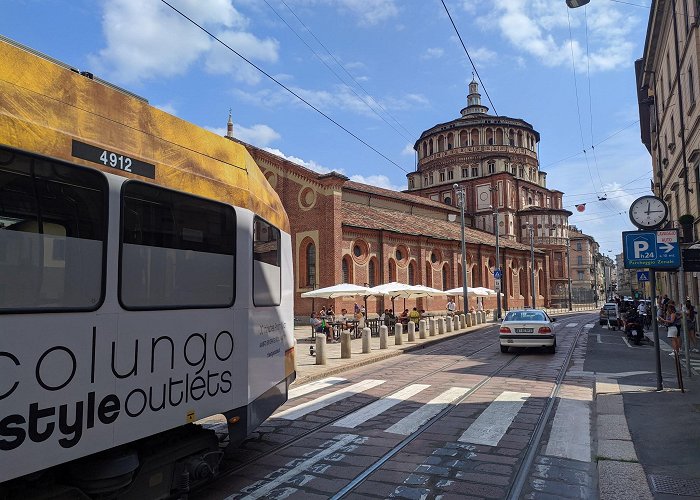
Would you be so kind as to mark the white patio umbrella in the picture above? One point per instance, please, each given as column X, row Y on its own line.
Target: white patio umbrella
column 337, row 291
column 471, row 292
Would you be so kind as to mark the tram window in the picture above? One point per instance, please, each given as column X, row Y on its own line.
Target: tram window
column 177, row 250
column 52, row 234
column 266, row 264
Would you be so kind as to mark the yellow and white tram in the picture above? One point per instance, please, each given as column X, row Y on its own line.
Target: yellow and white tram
column 145, row 283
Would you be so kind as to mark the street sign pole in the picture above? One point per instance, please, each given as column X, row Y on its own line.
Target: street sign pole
column 655, row 326
column 684, row 319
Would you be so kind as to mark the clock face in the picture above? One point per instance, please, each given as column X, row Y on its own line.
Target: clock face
column 648, row 212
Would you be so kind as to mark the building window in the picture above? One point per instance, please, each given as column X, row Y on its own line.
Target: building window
column 392, row 270
column 579, row 260
column 578, row 246
column 442, row 176
column 580, row 275
column 450, row 175
column 445, row 276
column 412, row 273
column 357, row 250
column 411, row 183
column 346, row 271
column 492, row 167
column 399, row 254
column 465, row 172
column 430, row 178
column 310, row 265
column 433, row 257
column 371, row 271
column 691, row 84
column 521, row 172
column 425, row 181
column 475, row 171
column 448, row 200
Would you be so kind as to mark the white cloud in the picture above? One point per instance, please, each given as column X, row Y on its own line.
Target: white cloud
column 312, row 165
column 148, row 40
column 408, row 150
column 381, row 181
column 540, row 28
column 220, row 60
column 433, row 53
column 482, row 55
column 370, row 11
column 258, row 135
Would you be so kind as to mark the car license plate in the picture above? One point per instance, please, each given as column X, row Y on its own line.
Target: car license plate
column 523, row 330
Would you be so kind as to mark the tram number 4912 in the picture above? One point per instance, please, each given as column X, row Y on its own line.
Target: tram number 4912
column 116, row 161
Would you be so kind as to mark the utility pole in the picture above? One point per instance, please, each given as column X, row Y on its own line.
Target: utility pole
column 461, row 199
column 568, row 267
column 595, row 281
column 497, row 270
column 532, row 262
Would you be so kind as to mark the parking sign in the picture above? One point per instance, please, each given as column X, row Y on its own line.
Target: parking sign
column 652, row 249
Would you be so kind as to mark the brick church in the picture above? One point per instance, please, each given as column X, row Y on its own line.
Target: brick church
column 344, row 231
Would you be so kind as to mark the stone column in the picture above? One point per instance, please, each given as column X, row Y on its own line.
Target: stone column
column 432, row 327
column 421, row 329
column 383, row 336
column 320, row 349
column 345, row 345
column 398, row 334
column 366, row 340
column 441, row 326
column 448, row 327
column 411, row 331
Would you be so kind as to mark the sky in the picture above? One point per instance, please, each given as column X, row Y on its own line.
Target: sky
column 349, row 85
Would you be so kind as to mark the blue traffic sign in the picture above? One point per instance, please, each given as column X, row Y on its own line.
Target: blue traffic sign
column 642, row 276
column 652, row 249
column 498, row 274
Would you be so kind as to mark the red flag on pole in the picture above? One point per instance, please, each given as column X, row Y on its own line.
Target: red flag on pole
column 581, row 207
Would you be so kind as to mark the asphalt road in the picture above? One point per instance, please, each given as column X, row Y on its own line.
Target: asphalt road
column 457, row 419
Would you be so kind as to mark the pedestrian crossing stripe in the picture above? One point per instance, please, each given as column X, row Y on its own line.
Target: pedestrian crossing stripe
column 571, row 325
column 378, row 407
column 408, row 425
column 492, row 424
column 328, row 399
column 589, row 325
column 313, row 386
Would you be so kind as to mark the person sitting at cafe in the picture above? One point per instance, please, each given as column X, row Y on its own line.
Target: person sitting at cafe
column 389, row 318
column 414, row 315
column 322, row 312
column 404, row 317
column 360, row 318
column 329, row 311
column 319, row 325
column 344, row 319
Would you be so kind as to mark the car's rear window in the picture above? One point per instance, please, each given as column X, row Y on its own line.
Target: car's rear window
column 609, row 306
column 525, row 316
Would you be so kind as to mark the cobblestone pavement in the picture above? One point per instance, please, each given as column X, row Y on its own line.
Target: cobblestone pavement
column 458, row 419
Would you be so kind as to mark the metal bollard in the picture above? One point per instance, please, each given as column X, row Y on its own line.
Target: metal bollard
column 448, row 326
column 422, row 329
column 441, row 326
column 366, row 336
column 433, row 327
column 398, row 334
column 320, row 349
column 346, row 345
column 411, row 331
column 383, row 336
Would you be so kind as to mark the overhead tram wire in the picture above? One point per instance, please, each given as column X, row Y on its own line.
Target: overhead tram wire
column 379, row 105
column 578, row 107
column 410, row 139
column 493, row 107
column 598, row 144
column 327, row 117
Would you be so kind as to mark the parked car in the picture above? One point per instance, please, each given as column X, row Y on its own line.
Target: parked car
column 528, row 328
column 610, row 312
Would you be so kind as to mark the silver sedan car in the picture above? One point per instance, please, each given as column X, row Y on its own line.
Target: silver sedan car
column 528, row 328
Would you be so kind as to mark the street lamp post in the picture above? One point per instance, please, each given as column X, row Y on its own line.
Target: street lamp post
column 595, row 281
column 532, row 262
column 461, row 199
column 568, row 268
column 497, row 231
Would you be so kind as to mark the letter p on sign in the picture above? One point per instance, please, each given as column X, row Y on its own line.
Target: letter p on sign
column 639, row 247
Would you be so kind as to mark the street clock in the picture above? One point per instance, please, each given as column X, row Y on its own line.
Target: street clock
column 648, row 212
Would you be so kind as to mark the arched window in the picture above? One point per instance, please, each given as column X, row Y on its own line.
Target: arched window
column 311, row 265
column 445, row 277
column 459, row 275
column 392, row 270
column 475, row 137
column 347, row 269
column 412, row 273
column 371, row 271
column 428, row 274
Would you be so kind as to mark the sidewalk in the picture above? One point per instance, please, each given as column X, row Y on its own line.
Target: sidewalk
column 648, row 441
column 308, row 370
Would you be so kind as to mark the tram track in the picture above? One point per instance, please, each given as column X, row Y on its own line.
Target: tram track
column 447, row 347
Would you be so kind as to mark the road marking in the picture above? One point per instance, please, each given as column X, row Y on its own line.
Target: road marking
column 571, row 325
column 412, row 422
column 570, row 436
column 328, row 399
column 492, row 424
column 314, row 386
column 380, row 406
column 344, row 440
column 599, row 341
column 589, row 325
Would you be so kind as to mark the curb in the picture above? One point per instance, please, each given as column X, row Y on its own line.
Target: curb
column 381, row 357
